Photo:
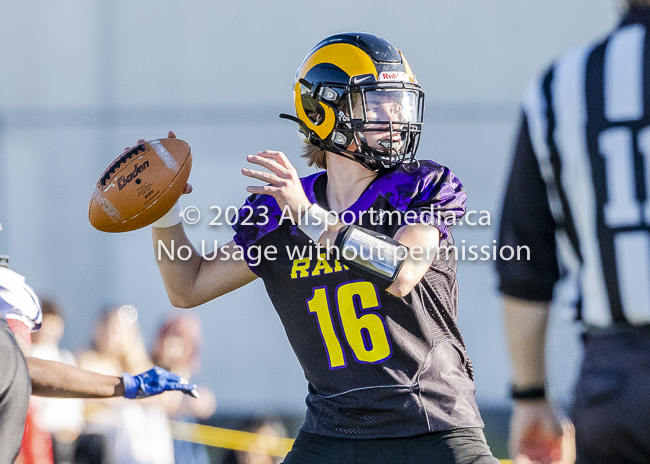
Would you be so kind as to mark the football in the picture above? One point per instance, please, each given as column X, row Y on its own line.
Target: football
column 140, row 186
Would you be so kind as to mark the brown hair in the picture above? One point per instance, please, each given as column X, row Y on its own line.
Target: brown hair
column 315, row 156
column 638, row 3
column 49, row 307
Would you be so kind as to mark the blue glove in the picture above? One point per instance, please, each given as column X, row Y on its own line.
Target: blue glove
column 154, row 382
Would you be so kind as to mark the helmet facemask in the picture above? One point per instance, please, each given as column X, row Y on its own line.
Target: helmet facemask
column 379, row 126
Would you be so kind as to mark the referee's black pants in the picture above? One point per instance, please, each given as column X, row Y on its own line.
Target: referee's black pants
column 611, row 411
column 15, row 388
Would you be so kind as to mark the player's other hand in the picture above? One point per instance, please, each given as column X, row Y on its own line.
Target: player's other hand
column 539, row 435
column 154, row 382
column 188, row 187
column 285, row 185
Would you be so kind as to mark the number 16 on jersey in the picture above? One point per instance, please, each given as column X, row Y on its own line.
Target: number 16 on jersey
column 365, row 333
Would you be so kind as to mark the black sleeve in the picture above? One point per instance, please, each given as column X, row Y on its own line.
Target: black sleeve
column 526, row 220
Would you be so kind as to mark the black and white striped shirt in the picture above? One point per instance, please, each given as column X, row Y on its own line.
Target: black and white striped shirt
column 580, row 181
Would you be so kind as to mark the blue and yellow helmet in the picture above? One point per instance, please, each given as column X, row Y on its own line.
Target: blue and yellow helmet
column 355, row 95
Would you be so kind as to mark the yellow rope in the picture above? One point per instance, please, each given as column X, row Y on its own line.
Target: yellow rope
column 237, row 440
column 231, row 439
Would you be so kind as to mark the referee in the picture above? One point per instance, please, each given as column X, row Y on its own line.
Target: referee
column 579, row 189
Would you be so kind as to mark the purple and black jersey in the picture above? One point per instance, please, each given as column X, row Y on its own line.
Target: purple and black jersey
column 378, row 366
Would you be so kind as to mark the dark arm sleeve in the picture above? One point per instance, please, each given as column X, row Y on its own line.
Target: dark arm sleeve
column 526, row 220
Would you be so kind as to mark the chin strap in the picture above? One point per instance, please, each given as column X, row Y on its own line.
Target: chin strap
column 366, row 161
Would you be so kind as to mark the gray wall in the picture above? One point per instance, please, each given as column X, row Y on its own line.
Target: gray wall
column 81, row 80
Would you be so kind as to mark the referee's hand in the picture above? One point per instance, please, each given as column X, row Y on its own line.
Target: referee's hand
column 539, row 435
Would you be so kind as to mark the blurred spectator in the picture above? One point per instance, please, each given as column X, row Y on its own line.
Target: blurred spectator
column 62, row 417
column 117, row 343
column 177, row 348
column 270, row 430
column 137, row 432
column 178, row 344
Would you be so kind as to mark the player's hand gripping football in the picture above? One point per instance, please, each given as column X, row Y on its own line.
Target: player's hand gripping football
column 285, row 185
column 171, row 135
column 154, row 382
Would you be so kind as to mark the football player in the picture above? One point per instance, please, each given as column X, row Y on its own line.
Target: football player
column 20, row 313
column 367, row 302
